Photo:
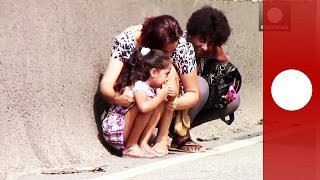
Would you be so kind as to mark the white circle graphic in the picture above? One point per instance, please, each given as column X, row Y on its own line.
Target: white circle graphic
column 291, row 90
column 274, row 15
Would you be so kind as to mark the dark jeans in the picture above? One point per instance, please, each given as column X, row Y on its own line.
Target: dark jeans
column 199, row 116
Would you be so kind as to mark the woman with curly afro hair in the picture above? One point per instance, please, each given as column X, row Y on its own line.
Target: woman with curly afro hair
column 207, row 29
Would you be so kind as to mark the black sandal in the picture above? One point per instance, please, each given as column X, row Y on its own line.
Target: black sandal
column 186, row 145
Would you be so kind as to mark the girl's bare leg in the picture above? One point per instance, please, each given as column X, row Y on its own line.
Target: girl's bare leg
column 131, row 147
column 129, row 118
column 161, row 142
column 148, row 130
column 162, row 139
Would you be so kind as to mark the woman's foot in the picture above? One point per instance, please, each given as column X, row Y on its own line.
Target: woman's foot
column 186, row 144
column 137, row 152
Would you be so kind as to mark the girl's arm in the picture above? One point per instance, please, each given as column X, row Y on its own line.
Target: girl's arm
column 108, row 81
column 145, row 103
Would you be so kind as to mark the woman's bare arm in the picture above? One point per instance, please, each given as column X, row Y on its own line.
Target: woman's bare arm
column 191, row 91
column 219, row 54
column 108, row 81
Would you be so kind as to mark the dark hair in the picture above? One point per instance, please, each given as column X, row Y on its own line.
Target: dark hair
column 159, row 31
column 138, row 67
column 209, row 22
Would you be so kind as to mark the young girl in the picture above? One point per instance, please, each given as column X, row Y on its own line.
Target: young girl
column 145, row 73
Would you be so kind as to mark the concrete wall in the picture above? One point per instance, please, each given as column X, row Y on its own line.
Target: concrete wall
column 51, row 55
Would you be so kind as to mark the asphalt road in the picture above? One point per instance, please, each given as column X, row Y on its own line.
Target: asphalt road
column 240, row 164
column 237, row 158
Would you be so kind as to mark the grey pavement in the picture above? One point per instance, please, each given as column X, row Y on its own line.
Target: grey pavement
column 245, row 163
column 239, row 164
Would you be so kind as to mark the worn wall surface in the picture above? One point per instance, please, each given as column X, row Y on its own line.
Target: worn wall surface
column 51, row 55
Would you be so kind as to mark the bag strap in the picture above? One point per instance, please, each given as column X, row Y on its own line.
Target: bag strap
column 237, row 86
column 228, row 121
column 238, row 80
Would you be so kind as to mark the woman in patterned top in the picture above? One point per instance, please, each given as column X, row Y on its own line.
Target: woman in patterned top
column 162, row 33
column 145, row 74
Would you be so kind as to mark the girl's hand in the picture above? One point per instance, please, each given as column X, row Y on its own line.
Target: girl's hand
column 163, row 92
column 126, row 98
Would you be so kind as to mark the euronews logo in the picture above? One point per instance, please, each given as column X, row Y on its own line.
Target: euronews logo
column 274, row 16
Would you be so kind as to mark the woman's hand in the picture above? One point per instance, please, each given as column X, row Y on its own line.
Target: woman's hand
column 171, row 105
column 126, row 98
column 231, row 95
column 172, row 93
column 227, row 99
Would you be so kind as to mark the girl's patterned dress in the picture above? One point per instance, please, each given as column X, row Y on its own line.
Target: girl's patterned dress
column 113, row 124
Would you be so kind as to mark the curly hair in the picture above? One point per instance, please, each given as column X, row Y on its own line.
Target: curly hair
column 138, row 67
column 209, row 22
column 159, row 31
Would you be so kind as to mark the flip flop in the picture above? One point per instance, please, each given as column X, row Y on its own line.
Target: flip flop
column 145, row 155
column 186, row 146
column 155, row 153
column 161, row 153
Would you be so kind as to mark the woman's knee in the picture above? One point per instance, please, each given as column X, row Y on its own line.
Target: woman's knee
column 204, row 90
column 204, row 94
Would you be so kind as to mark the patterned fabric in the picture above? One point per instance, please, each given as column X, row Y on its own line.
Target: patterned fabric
column 183, row 57
column 113, row 124
column 202, row 61
column 123, row 46
column 140, row 85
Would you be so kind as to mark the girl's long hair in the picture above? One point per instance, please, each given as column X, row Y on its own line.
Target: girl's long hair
column 138, row 67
